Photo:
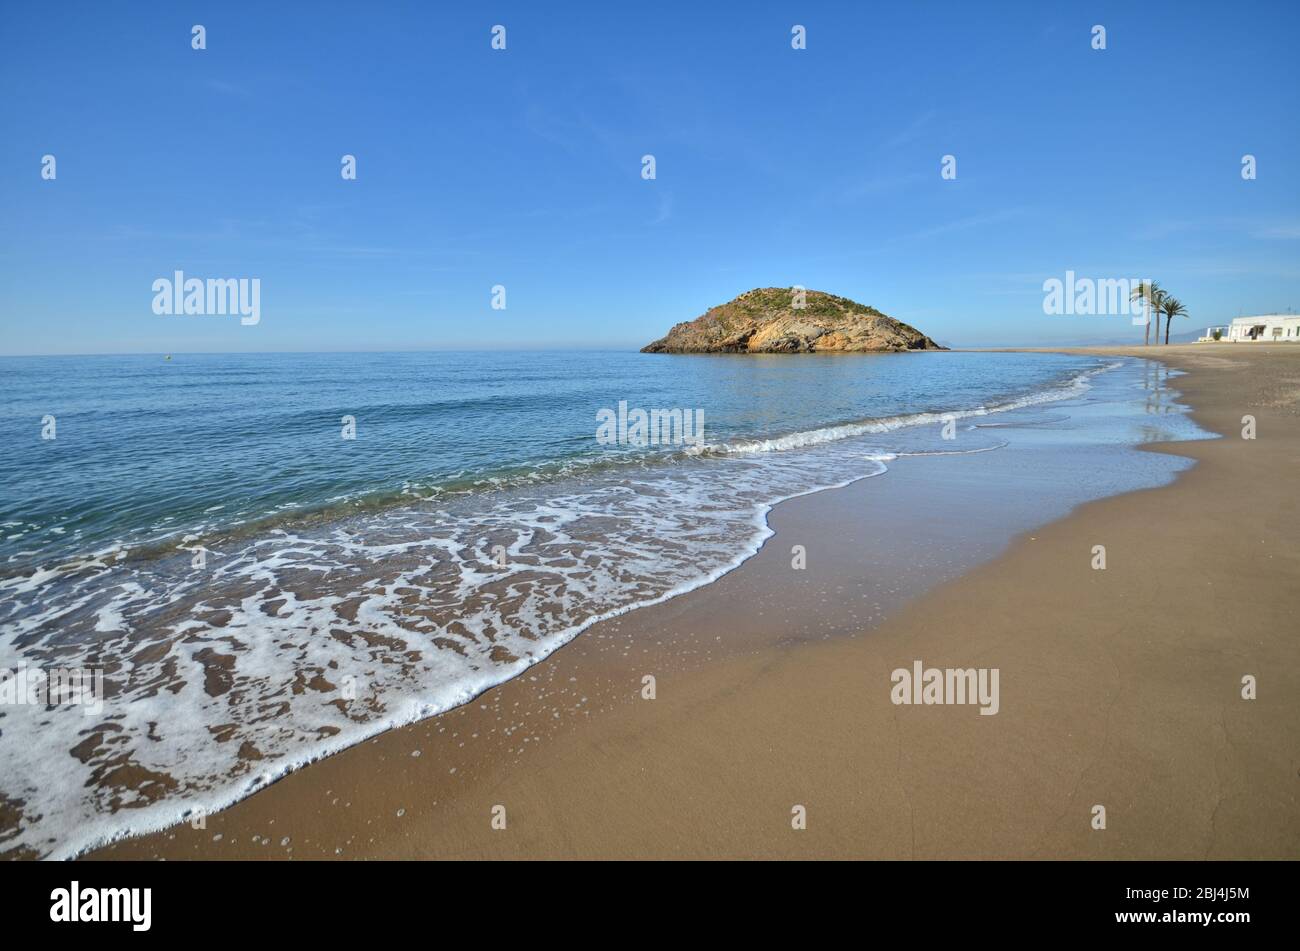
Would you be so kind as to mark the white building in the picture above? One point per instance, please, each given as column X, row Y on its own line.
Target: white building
column 1267, row 328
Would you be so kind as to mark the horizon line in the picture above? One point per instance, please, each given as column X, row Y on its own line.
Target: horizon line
column 951, row 345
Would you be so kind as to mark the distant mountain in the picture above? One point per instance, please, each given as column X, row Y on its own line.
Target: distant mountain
column 767, row 320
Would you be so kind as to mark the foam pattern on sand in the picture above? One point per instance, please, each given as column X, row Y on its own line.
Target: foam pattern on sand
column 295, row 642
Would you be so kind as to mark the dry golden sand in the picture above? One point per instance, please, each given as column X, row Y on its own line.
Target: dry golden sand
column 1119, row 687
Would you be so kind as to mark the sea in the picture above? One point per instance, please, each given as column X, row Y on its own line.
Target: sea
column 257, row 560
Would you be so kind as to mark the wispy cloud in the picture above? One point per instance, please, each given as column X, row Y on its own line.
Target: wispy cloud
column 964, row 224
column 1260, row 229
column 1284, row 232
column 910, row 133
column 881, row 184
column 665, row 208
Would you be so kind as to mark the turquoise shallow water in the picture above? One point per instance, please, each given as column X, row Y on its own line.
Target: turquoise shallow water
column 148, row 448
column 249, row 582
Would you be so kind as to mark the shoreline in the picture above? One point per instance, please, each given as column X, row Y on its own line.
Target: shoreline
column 714, row 764
column 211, row 729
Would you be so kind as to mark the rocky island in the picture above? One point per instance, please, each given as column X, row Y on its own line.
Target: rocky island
column 771, row 320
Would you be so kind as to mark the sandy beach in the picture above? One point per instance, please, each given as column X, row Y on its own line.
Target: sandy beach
column 1119, row 687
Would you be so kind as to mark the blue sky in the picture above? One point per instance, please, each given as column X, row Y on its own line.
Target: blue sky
column 522, row 168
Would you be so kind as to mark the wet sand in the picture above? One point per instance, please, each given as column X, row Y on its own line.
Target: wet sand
column 1119, row 687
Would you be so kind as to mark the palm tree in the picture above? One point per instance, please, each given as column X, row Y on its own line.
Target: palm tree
column 1171, row 307
column 1151, row 293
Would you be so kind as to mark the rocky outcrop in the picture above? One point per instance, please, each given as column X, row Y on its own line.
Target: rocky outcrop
column 768, row 320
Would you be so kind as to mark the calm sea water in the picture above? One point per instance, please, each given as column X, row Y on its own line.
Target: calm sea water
column 200, row 531
column 148, row 449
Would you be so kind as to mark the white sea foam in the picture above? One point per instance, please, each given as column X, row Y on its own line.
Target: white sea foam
column 252, row 652
column 874, row 427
